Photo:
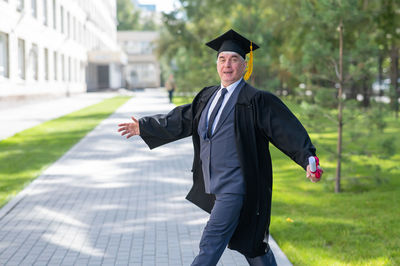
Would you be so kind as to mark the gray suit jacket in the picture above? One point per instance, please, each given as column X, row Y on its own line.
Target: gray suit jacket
column 218, row 154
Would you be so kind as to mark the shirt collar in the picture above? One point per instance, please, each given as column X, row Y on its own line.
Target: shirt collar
column 232, row 87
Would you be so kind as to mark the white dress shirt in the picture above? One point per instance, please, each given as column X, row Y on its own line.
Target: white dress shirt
column 228, row 94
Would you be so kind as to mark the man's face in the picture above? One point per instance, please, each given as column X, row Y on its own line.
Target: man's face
column 231, row 67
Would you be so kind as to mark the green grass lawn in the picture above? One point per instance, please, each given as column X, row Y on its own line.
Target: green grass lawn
column 361, row 225
column 25, row 155
column 179, row 100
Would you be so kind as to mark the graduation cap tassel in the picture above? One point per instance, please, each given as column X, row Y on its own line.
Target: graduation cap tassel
column 250, row 64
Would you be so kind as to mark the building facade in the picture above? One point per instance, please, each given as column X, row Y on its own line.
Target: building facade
column 143, row 68
column 56, row 47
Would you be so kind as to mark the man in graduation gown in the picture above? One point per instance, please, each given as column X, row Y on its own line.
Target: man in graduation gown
column 231, row 126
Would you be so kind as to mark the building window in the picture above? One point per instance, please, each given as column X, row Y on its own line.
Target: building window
column 74, row 28
column 68, row 25
column 20, row 5
column 45, row 16
column 76, row 70
column 134, row 47
column 46, row 64
column 69, row 70
column 4, row 53
column 143, row 72
column 62, row 19
column 34, row 62
column 78, row 31
column 73, row 70
column 82, row 72
column 55, row 62
column 63, row 67
column 84, row 35
column 34, row 8
column 54, row 15
column 21, row 59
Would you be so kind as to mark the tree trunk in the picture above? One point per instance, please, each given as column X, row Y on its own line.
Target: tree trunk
column 340, row 113
column 366, row 91
column 394, row 70
column 380, row 73
column 353, row 91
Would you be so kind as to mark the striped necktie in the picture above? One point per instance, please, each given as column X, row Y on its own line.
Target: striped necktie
column 215, row 111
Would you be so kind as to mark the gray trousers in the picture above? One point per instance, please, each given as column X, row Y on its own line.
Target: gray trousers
column 219, row 229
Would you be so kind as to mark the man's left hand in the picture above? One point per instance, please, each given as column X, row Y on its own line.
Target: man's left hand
column 312, row 176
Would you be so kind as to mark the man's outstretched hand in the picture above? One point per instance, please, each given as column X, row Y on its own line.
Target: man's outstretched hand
column 312, row 176
column 129, row 129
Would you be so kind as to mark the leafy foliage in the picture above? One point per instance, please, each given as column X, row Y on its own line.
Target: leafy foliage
column 298, row 40
column 129, row 18
column 301, row 51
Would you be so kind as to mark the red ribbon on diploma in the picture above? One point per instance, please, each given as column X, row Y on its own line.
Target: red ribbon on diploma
column 314, row 163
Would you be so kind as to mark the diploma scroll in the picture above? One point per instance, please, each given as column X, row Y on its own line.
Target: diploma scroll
column 314, row 163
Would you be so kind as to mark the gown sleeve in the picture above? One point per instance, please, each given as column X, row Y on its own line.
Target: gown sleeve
column 283, row 129
column 161, row 129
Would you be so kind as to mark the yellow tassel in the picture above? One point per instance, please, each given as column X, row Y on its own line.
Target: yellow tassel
column 249, row 69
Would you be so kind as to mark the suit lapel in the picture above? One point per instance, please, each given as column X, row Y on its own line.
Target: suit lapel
column 202, row 129
column 204, row 99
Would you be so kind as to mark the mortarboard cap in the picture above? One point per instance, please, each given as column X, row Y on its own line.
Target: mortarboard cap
column 234, row 42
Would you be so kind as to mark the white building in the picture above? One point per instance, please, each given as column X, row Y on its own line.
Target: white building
column 55, row 47
column 143, row 68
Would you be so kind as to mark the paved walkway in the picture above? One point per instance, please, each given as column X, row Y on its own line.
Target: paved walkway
column 18, row 117
column 110, row 201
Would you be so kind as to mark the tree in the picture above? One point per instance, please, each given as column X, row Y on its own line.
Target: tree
column 340, row 110
column 128, row 17
column 389, row 25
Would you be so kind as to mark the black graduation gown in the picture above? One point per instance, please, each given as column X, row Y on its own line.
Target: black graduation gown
column 260, row 118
